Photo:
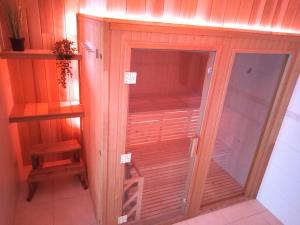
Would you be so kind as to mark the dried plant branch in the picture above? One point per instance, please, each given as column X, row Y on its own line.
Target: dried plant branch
column 14, row 14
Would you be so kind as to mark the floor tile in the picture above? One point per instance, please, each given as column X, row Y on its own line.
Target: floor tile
column 252, row 220
column 62, row 202
column 34, row 214
column 68, row 187
column 43, row 194
column 74, row 211
column 215, row 218
column 246, row 213
column 257, row 205
column 239, row 211
column 271, row 219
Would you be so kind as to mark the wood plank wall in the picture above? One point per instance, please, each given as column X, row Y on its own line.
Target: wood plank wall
column 94, row 93
column 269, row 13
column 45, row 22
column 165, row 73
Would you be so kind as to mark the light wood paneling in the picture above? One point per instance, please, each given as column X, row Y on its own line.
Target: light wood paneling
column 35, row 81
column 94, row 84
column 270, row 13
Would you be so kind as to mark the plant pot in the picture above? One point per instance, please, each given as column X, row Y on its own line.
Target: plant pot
column 17, row 44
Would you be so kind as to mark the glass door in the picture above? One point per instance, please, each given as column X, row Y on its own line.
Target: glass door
column 253, row 83
column 164, row 119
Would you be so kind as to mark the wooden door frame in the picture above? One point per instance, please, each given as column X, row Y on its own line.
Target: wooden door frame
column 269, row 134
column 127, row 46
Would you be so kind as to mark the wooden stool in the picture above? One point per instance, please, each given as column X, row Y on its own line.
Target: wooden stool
column 72, row 167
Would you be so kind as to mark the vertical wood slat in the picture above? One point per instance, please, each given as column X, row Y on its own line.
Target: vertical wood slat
column 279, row 13
column 155, row 8
column 231, row 11
column 46, row 16
column 268, row 13
column 244, row 12
column 204, row 9
column 296, row 23
column 218, row 11
column 172, row 8
column 135, row 7
column 290, row 13
column 116, row 6
column 188, row 9
column 257, row 12
column 59, row 22
column 34, row 24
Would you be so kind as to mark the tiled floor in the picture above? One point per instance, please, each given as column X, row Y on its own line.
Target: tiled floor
column 65, row 202
column 61, row 202
column 246, row 213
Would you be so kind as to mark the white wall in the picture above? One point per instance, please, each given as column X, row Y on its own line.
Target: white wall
column 280, row 189
column 8, row 163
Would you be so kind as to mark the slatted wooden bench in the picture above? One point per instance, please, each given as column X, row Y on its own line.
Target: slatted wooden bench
column 41, row 172
column 38, row 152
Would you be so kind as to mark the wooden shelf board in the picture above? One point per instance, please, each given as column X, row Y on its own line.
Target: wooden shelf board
column 56, row 171
column 45, row 111
column 32, row 54
column 53, row 148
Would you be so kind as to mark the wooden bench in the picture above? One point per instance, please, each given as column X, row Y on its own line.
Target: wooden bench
column 38, row 152
column 41, row 172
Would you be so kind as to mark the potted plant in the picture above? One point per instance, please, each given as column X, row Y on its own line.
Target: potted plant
column 14, row 13
column 64, row 51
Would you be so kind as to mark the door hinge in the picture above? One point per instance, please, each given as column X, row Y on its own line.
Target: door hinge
column 126, row 158
column 130, row 77
column 122, row 219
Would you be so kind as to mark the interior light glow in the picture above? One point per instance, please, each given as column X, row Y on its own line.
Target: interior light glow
column 197, row 21
column 71, row 29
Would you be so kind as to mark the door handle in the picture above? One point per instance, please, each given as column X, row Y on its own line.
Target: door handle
column 194, row 145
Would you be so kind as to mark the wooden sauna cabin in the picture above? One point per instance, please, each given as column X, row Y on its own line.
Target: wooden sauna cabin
column 179, row 120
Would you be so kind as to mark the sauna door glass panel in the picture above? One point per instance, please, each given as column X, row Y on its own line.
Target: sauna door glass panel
column 253, row 83
column 163, row 123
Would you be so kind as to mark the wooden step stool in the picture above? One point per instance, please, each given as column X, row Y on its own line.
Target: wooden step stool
column 70, row 167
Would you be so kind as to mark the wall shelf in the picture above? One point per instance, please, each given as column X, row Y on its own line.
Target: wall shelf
column 45, row 111
column 32, row 54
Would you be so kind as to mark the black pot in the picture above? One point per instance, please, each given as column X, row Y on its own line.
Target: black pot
column 17, row 44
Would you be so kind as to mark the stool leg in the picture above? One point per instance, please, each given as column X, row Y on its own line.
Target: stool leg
column 32, row 189
column 35, row 162
column 83, row 180
column 77, row 156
